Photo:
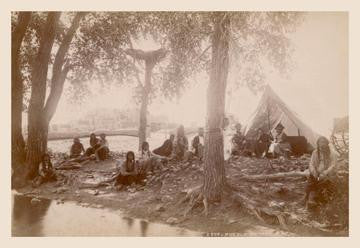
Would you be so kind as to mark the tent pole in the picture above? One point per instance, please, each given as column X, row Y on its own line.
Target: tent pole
column 268, row 115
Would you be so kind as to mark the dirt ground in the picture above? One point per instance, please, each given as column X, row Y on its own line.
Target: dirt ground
column 160, row 199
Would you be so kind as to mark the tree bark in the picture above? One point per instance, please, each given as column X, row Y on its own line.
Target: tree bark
column 37, row 142
column 37, row 129
column 17, row 140
column 214, row 170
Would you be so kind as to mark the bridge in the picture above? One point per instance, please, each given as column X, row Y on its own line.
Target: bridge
column 125, row 132
column 71, row 135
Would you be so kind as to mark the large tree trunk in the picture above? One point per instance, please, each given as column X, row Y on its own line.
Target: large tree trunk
column 40, row 126
column 37, row 143
column 37, row 129
column 214, row 171
column 17, row 139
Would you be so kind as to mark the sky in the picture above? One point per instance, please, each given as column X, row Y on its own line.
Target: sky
column 317, row 87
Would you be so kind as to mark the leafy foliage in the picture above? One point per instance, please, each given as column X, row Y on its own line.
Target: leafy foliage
column 259, row 40
column 96, row 54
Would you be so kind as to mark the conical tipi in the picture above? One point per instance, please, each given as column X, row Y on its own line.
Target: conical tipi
column 272, row 111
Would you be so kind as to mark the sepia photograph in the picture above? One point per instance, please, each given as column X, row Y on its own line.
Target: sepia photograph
column 179, row 123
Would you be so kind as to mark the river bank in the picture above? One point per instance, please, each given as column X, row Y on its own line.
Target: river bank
column 160, row 200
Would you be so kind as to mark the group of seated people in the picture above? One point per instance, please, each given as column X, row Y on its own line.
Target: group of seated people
column 179, row 148
column 134, row 171
column 264, row 145
column 99, row 148
column 172, row 149
column 322, row 166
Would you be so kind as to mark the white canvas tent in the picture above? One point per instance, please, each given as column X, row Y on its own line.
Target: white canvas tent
column 271, row 111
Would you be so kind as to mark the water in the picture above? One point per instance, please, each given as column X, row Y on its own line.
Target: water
column 127, row 143
column 47, row 218
column 116, row 143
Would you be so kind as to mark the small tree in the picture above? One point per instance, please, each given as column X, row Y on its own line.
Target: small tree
column 181, row 56
column 150, row 58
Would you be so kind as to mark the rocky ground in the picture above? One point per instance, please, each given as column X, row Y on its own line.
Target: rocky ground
column 270, row 206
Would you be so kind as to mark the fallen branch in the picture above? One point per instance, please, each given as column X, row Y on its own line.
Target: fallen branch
column 282, row 175
column 69, row 166
column 94, row 186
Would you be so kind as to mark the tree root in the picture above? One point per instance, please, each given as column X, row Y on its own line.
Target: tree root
column 194, row 196
column 206, row 206
column 256, row 208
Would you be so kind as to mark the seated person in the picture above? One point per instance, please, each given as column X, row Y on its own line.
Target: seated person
column 238, row 141
column 149, row 162
column 280, row 146
column 129, row 172
column 248, row 148
column 166, row 149
column 46, row 171
column 77, row 149
column 263, row 141
column 322, row 168
column 198, row 144
column 181, row 144
column 145, row 152
column 102, row 152
column 94, row 144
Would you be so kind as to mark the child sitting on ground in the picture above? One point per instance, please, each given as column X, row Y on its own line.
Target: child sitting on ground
column 46, row 171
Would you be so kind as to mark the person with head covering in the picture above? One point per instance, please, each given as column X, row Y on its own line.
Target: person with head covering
column 280, row 145
column 238, row 141
column 181, row 144
column 102, row 152
column 263, row 141
column 167, row 147
column 322, row 168
column 77, row 149
column 46, row 171
column 198, row 144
